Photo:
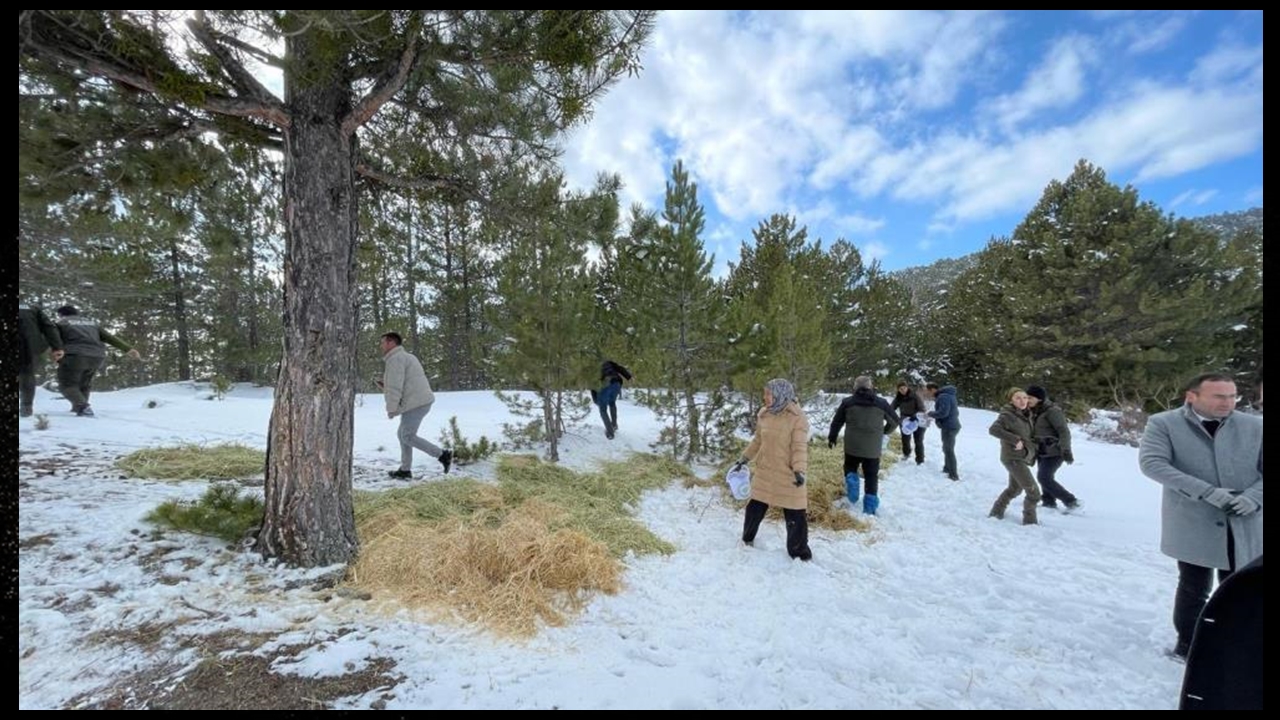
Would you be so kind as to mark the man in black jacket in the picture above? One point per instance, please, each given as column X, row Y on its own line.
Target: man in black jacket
column 908, row 406
column 36, row 333
column 85, row 343
column 612, row 375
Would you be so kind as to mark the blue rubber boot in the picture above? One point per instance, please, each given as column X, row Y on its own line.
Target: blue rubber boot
column 870, row 503
column 852, row 486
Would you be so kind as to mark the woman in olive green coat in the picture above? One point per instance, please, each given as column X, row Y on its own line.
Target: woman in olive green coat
column 1017, row 453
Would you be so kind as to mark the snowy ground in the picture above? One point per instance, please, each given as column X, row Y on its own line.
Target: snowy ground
column 938, row 607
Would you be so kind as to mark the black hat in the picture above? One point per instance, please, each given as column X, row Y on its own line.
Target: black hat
column 1037, row 392
column 68, row 310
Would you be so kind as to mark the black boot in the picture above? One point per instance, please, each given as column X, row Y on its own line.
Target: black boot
column 446, row 459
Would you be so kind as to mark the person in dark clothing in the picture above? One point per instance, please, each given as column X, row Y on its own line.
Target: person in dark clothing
column 909, row 406
column 83, row 340
column 36, row 333
column 1224, row 665
column 611, row 375
column 947, row 412
column 1053, row 447
column 869, row 419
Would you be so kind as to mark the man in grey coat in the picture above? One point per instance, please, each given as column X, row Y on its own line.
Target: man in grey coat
column 409, row 397
column 1209, row 460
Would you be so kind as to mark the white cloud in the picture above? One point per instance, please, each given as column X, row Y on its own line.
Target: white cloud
column 1148, row 32
column 1058, row 82
column 825, row 114
column 1230, row 63
column 1192, row 197
column 874, row 250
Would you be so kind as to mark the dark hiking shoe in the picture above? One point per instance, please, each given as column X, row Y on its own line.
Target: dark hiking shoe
column 1179, row 651
column 1070, row 507
column 954, row 477
column 919, row 461
column 446, row 459
column 401, row 474
column 25, row 412
column 85, row 411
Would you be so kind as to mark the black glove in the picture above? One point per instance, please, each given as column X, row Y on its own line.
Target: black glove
column 799, row 478
column 1066, row 455
column 831, row 444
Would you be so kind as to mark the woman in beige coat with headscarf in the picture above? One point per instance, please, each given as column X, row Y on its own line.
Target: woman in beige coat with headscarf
column 781, row 451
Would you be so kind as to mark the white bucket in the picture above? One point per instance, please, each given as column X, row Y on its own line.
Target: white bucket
column 739, row 483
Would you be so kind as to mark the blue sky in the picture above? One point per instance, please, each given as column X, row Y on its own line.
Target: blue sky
column 919, row 135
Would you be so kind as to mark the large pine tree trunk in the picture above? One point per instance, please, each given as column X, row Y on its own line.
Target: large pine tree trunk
column 180, row 314
column 309, row 519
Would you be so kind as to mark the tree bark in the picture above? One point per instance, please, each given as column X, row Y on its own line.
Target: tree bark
column 309, row 518
column 180, row 314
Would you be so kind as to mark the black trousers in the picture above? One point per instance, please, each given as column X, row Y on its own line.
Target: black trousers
column 1194, row 585
column 797, row 528
column 906, row 445
column 1051, row 491
column 870, row 472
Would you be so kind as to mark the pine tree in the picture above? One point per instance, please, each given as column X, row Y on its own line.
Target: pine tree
column 679, row 315
column 488, row 89
column 1110, row 301
column 881, row 337
column 545, row 291
column 778, row 312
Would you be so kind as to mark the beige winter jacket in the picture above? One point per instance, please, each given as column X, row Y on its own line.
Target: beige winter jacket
column 404, row 383
column 780, row 449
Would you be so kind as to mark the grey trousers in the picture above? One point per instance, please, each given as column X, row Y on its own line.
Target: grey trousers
column 408, row 434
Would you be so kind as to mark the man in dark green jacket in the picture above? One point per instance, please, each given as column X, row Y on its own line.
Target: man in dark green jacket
column 866, row 419
column 83, row 340
column 36, row 333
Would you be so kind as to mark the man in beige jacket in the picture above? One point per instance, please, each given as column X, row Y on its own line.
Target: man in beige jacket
column 409, row 396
